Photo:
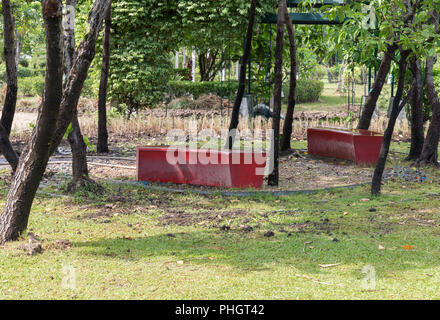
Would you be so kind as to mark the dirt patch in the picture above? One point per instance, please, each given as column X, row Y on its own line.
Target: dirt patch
column 316, row 227
column 185, row 218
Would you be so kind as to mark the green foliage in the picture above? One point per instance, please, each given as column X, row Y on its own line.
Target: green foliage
column 181, row 74
column 31, row 86
column 25, row 72
column 196, row 89
column 144, row 34
column 355, row 74
column 2, row 73
column 90, row 146
column 306, row 91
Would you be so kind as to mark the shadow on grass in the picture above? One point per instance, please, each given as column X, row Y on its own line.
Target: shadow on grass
column 254, row 252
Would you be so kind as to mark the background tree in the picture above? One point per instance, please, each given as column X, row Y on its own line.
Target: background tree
column 36, row 155
column 54, row 116
column 275, row 149
column 102, row 97
column 242, row 77
column 8, row 111
column 288, row 122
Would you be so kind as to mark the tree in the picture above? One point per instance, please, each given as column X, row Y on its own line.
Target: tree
column 36, row 154
column 102, row 99
column 242, row 77
column 379, row 82
column 54, row 117
column 429, row 153
column 6, row 148
column 396, row 108
column 8, row 111
column 275, row 149
column 11, row 67
column 416, row 101
column 80, row 171
column 288, row 122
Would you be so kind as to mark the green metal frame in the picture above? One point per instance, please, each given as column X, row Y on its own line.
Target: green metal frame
column 303, row 18
column 307, row 18
column 317, row 4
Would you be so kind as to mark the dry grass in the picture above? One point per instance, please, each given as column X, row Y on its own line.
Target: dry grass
column 143, row 125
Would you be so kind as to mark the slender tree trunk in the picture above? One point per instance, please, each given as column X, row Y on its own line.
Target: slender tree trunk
column 34, row 159
column 430, row 148
column 43, row 142
column 417, row 130
column 373, row 96
column 80, row 172
column 74, row 84
column 11, row 67
column 242, row 77
column 102, row 100
column 397, row 107
column 275, row 149
column 288, row 122
column 7, row 150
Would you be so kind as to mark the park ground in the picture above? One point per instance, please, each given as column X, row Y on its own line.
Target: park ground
column 127, row 241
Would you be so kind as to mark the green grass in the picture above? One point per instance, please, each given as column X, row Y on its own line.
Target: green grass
column 331, row 100
column 130, row 250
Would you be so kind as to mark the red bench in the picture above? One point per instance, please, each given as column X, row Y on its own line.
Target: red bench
column 360, row 146
column 201, row 167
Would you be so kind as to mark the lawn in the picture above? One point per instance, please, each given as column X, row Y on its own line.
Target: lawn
column 128, row 242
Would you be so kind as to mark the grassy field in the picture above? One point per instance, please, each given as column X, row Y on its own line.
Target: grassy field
column 128, row 242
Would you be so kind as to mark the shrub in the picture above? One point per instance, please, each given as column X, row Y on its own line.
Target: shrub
column 31, row 86
column 318, row 72
column 2, row 73
column 306, row 91
column 196, row 89
column 358, row 76
column 25, row 72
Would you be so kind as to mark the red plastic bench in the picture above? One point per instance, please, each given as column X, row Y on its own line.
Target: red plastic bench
column 360, row 146
column 201, row 167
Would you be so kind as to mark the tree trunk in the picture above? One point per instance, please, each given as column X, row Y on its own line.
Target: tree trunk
column 43, row 142
column 11, row 67
column 7, row 150
column 34, row 159
column 207, row 65
column 242, row 78
column 74, row 84
column 102, row 100
column 373, row 96
column 275, row 149
column 417, row 130
column 397, row 107
column 430, row 148
column 288, row 122
column 80, row 172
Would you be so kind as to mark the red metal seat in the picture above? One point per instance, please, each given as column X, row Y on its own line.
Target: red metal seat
column 360, row 146
column 201, row 167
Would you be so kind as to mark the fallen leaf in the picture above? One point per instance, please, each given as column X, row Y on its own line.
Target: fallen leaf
column 325, row 266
